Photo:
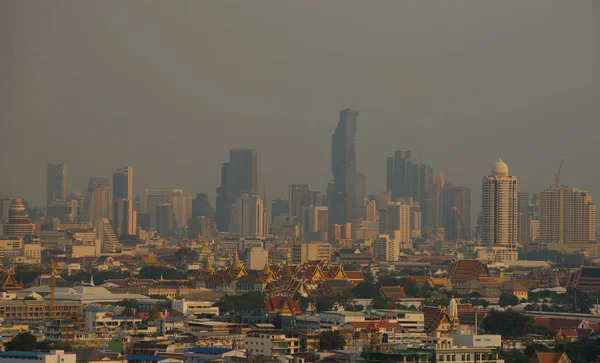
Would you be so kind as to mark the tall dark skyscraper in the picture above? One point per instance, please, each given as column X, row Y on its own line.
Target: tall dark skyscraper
column 123, row 183
column 299, row 197
column 398, row 174
column 454, row 201
column 238, row 176
column 343, row 166
column 201, row 206
column 56, row 182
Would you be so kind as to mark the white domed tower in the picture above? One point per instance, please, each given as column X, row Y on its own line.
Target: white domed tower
column 499, row 212
column 453, row 314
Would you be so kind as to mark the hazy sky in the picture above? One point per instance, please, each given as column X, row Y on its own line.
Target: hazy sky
column 170, row 86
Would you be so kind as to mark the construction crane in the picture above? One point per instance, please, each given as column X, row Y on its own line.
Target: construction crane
column 557, row 175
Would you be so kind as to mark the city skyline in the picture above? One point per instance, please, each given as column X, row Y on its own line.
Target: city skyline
column 420, row 95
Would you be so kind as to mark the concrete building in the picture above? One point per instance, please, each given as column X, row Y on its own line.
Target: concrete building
column 386, row 249
column 249, row 219
column 38, row 309
column 56, row 182
column 567, row 215
column 455, row 199
column 279, row 208
column 182, row 208
column 124, row 218
column 359, row 198
column 343, row 167
column 98, row 202
column 272, row 343
column 201, row 206
column 19, row 224
column 105, row 233
column 499, row 215
column 186, row 306
column 64, row 210
column 395, row 221
column 310, row 251
column 165, row 219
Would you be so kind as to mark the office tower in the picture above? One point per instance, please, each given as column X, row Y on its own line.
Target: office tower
column 567, row 215
column 315, row 219
column 182, row 208
column 56, row 182
column 459, row 198
column 154, row 198
column 438, row 185
column 381, row 200
column 98, row 203
column 426, row 196
column 165, row 219
column 386, row 248
column 523, row 202
column 361, row 193
column 316, row 198
column 395, row 221
column 499, row 209
column 238, row 176
column 334, row 232
column 304, row 252
column 124, row 218
column 105, row 233
column 201, row 206
column 398, row 174
column 299, row 197
column 201, row 226
column 249, row 218
column 18, row 224
column 343, row 166
column 123, row 189
column 279, row 207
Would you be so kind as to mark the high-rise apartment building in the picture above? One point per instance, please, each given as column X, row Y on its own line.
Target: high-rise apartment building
column 499, row 214
column 455, row 199
column 567, row 215
column 249, row 218
column 18, row 224
column 182, row 208
column 386, row 248
column 303, row 252
column 238, row 176
column 123, row 189
column 299, row 198
column 524, row 202
column 56, row 182
column 395, row 221
column 343, row 166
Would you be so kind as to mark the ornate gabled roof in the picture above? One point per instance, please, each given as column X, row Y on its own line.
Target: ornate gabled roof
column 208, row 268
column 236, row 269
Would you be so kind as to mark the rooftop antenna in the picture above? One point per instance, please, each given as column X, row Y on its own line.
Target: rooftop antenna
column 557, row 175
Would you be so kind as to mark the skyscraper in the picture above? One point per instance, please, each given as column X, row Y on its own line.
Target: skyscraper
column 123, row 189
column 299, row 197
column 155, row 197
column 343, row 166
column 499, row 214
column 567, row 215
column 98, row 202
column 124, row 220
column 455, row 199
column 395, row 221
column 315, row 219
column 182, row 208
column 239, row 175
column 279, row 207
column 398, row 174
column 438, row 185
column 249, row 218
column 165, row 219
column 524, row 202
column 56, row 182
column 201, row 206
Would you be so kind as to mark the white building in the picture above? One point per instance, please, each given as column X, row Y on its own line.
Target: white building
column 100, row 319
column 271, row 343
column 499, row 215
column 334, row 319
column 257, row 257
column 106, row 234
column 386, row 249
column 249, row 216
column 55, row 356
column 194, row 307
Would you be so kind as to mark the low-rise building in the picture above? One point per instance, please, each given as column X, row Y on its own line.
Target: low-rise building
column 274, row 343
column 206, row 354
column 55, row 356
column 334, row 319
column 195, row 307
column 38, row 309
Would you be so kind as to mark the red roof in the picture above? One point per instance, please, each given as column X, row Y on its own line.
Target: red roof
column 276, row 303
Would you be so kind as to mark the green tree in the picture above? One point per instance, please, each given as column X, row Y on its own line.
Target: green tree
column 24, row 342
column 331, row 340
column 513, row 356
column 323, row 303
column 365, row 290
column 535, row 347
column 250, row 303
column 508, row 300
column 129, row 303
